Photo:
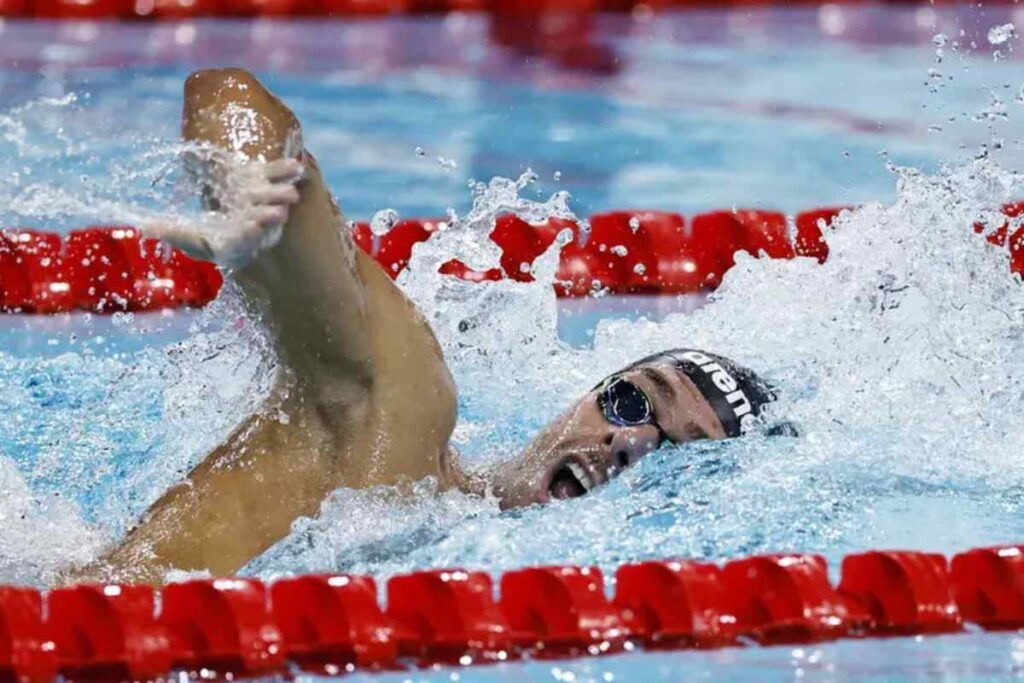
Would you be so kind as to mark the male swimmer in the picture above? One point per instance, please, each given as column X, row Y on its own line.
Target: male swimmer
column 362, row 395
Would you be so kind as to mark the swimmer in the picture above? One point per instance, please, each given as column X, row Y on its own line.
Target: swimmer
column 362, row 395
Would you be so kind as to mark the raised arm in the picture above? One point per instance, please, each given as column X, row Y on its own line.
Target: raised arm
column 307, row 280
column 363, row 397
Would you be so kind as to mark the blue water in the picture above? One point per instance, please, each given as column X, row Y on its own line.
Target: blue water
column 899, row 358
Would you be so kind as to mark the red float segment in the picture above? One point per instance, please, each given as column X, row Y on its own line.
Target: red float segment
column 14, row 8
column 715, row 238
column 522, row 243
column 15, row 286
column 107, row 633
column 620, row 251
column 810, row 226
column 642, row 252
column 988, row 584
column 145, row 275
column 1017, row 252
column 449, row 615
column 40, row 255
column 562, row 610
column 718, row 235
column 600, row 258
column 788, row 599
column 179, row 9
column 154, row 282
column 99, row 271
column 330, row 623
column 83, row 9
column 394, row 249
column 764, row 232
column 1001, row 236
column 457, row 268
column 362, row 7
column 673, row 604
column 363, row 238
column 26, row 650
column 676, row 266
column 223, row 625
column 903, row 592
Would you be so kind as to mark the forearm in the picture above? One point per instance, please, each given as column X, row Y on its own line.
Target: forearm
column 305, row 276
column 313, row 296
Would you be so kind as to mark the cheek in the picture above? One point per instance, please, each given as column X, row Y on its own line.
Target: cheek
column 646, row 438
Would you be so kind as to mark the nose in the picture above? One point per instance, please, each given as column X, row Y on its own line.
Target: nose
column 627, row 445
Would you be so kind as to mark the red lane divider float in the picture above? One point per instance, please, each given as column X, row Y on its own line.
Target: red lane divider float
column 904, row 592
column 676, row 604
column 445, row 616
column 624, row 252
column 562, row 611
column 788, row 599
column 103, row 270
column 185, row 9
column 335, row 624
column 637, row 252
column 223, row 625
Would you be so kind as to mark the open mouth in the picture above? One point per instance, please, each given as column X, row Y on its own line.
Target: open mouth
column 570, row 480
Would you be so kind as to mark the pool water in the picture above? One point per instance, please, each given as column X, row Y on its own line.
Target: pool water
column 899, row 358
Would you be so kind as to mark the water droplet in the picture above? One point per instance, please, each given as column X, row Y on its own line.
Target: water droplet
column 997, row 35
column 383, row 221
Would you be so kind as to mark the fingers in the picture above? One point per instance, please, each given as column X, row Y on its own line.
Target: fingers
column 253, row 211
column 270, row 216
column 275, row 184
column 283, row 171
column 282, row 194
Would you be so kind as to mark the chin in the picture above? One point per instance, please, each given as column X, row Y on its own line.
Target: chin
column 512, row 497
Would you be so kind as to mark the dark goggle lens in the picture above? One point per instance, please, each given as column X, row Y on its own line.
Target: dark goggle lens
column 625, row 404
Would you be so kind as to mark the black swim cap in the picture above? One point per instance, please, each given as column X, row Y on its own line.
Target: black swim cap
column 735, row 393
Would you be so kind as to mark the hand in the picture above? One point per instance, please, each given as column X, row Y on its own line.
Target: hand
column 253, row 204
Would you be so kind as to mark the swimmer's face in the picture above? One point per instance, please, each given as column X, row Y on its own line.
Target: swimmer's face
column 614, row 425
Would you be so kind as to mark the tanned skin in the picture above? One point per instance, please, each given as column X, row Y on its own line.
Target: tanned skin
column 362, row 396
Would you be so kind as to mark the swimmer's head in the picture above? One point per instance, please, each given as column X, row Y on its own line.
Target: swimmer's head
column 674, row 397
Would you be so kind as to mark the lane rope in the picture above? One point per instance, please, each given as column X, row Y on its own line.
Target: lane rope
column 111, row 269
column 192, row 9
column 333, row 624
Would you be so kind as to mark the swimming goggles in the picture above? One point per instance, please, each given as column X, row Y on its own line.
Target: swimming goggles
column 624, row 404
